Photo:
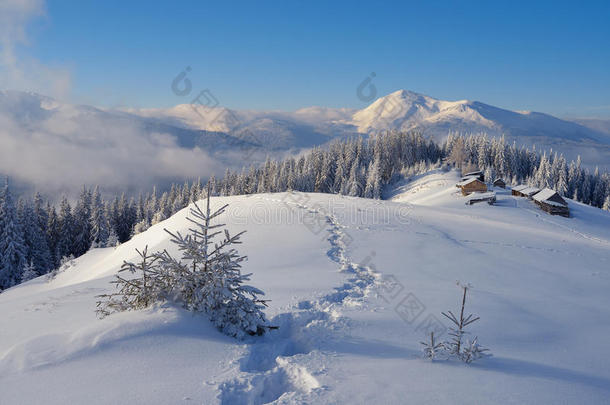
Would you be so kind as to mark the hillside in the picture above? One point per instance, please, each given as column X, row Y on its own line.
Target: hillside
column 337, row 269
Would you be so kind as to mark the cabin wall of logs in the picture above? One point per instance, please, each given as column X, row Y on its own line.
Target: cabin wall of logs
column 563, row 211
column 476, row 186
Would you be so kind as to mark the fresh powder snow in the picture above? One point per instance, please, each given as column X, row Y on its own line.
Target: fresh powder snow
column 355, row 285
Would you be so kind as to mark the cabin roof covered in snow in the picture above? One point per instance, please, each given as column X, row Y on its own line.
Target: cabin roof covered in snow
column 467, row 181
column 477, row 195
column 545, row 196
column 520, row 187
column 477, row 173
column 529, row 191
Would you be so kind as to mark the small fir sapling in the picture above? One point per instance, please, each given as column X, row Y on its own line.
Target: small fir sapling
column 207, row 278
column 465, row 350
column 460, row 324
column 432, row 348
column 470, row 350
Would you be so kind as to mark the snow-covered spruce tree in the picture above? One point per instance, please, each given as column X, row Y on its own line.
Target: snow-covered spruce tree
column 207, row 278
column 53, row 234
column 82, row 223
column 36, row 249
column 12, row 245
column 29, row 272
column 113, row 239
column 606, row 206
column 65, row 244
column 373, row 181
column 99, row 222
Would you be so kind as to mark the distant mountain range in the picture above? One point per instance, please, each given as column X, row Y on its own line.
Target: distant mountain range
column 401, row 110
column 60, row 145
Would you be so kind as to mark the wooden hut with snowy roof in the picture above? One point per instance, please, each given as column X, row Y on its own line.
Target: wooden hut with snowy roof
column 488, row 197
column 550, row 201
column 516, row 191
column 524, row 191
column 478, row 174
column 471, row 185
column 499, row 183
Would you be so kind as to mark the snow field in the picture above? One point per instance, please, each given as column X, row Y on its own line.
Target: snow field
column 351, row 282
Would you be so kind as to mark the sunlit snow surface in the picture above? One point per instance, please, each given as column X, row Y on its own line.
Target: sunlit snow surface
column 351, row 282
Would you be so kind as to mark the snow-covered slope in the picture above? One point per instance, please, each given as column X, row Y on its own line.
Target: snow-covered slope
column 351, row 282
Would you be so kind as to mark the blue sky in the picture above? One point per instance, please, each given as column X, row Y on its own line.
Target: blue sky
column 545, row 56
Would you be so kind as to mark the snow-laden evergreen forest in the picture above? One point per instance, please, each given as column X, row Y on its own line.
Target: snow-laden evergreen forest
column 37, row 237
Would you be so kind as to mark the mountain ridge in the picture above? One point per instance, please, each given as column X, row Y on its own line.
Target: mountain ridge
column 194, row 140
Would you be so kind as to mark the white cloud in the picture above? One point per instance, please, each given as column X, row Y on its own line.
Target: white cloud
column 61, row 148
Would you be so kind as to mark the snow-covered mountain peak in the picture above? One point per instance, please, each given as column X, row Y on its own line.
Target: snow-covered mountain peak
column 409, row 95
column 405, row 98
column 405, row 110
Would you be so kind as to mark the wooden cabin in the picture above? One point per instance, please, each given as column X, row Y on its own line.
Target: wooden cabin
column 550, row 201
column 478, row 175
column 530, row 192
column 472, row 185
column 516, row 191
column 524, row 191
column 488, row 197
column 499, row 183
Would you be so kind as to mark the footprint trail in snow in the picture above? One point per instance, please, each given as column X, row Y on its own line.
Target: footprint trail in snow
column 273, row 368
